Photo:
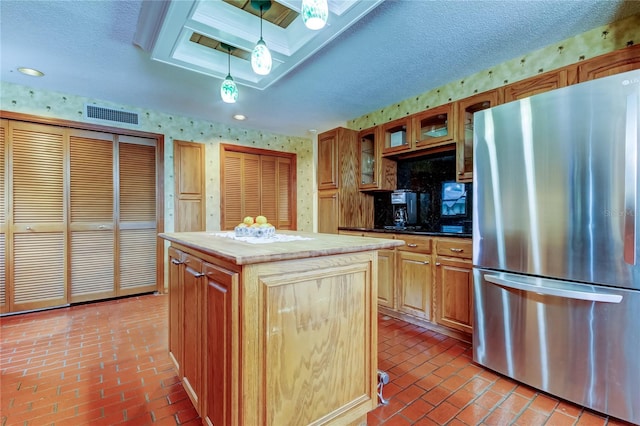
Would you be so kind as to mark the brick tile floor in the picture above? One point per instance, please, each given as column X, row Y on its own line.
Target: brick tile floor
column 107, row 363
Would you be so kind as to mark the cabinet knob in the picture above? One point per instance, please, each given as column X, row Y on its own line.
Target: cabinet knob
column 101, row 227
column 437, row 263
column 28, row 228
column 460, row 173
column 412, row 245
column 456, row 250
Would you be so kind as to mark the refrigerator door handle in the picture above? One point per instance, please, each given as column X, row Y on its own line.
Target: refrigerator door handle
column 552, row 291
column 631, row 178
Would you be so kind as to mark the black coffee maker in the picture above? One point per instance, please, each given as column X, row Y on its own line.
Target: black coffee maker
column 405, row 208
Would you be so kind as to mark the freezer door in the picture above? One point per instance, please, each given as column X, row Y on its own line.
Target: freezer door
column 579, row 342
column 556, row 183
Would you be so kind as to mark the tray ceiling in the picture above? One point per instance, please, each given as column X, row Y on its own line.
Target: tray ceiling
column 189, row 34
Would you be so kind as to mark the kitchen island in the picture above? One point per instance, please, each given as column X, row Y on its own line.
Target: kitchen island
column 277, row 333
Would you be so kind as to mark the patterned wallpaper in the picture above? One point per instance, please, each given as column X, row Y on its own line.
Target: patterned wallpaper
column 587, row 45
column 21, row 99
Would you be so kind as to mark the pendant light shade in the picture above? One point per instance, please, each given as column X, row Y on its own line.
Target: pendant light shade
column 260, row 56
column 229, row 90
column 314, row 13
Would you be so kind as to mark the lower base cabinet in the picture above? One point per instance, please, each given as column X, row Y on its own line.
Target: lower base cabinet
column 415, row 284
column 428, row 281
column 249, row 341
column 454, row 290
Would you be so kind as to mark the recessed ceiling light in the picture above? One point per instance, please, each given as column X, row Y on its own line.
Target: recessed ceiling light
column 239, row 117
column 31, row 71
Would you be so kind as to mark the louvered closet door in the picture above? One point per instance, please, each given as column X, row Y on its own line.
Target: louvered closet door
column 36, row 215
column 3, row 217
column 276, row 194
column 137, row 215
column 91, row 218
column 241, row 193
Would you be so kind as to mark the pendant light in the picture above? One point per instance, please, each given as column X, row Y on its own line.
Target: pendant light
column 260, row 56
column 229, row 90
column 315, row 13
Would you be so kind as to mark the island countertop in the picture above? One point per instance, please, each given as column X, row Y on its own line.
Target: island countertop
column 245, row 253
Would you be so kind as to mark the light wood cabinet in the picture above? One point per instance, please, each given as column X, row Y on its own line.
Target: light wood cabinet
column 414, row 276
column 433, row 127
column 376, row 172
column 464, row 130
column 193, row 335
column 189, row 175
column 353, row 207
column 454, row 284
column 275, row 342
column 176, row 308
column 328, row 159
column 397, row 136
column 537, row 84
column 220, row 342
column 622, row 60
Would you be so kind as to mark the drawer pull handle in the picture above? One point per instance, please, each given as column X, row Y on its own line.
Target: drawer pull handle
column 198, row 275
column 412, row 245
column 437, row 263
column 28, row 228
column 176, row 262
column 456, row 250
column 426, row 262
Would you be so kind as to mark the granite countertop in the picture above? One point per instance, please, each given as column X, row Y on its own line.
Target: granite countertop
column 301, row 245
column 409, row 232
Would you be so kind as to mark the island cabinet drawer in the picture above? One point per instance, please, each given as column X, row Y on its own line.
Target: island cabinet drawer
column 454, row 247
column 415, row 243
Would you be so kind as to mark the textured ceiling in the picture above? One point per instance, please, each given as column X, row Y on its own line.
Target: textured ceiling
column 400, row 49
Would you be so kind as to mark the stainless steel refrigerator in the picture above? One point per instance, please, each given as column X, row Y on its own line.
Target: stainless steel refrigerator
column 556, row 243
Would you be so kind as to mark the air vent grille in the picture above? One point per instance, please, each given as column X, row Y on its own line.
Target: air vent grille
column 110, row 114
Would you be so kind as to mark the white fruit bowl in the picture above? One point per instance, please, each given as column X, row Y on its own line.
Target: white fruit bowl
column 255, row 231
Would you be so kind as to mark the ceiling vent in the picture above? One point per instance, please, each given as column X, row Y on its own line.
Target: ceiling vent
column 111, row 115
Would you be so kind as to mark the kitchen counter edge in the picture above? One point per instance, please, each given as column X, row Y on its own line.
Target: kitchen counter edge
column 243, row 253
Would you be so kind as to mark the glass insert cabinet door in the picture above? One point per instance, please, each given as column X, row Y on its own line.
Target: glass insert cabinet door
column 368, row 175
column 466, row 108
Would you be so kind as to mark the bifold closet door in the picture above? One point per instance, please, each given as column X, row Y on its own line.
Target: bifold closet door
column 137, row 226
column 91, row 215
column 3, row 217
column 36, row 219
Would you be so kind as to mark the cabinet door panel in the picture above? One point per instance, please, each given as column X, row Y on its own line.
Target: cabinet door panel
column 176, row 307
column 220, row 343
column 454, row 294
column 328, row 211
column 414, row 284
column 190, row 186
column 92, row 265
column 3, row 217
column 386, row 278
column 192, row 332
column 328, row 160
column 137, row 260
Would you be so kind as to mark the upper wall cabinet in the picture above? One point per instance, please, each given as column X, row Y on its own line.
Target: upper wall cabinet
column 328, row 160
column 537, row 84
column 433, row 127
column 464, row 130
column 622, row 60
column 396, row 136
column 376, row 172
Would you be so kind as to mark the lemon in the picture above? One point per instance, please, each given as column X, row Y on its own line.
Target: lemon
column 248, row 220
column 261, row 220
